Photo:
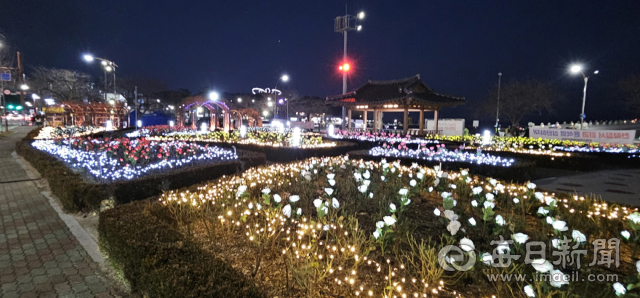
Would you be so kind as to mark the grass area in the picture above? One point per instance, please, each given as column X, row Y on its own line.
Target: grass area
column 336, row 227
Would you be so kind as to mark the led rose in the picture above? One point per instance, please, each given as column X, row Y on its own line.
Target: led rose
column 241, row 190
column 445, row 194
column 362, row 188
column 436, row 212
column 376, row 234
column 541, row 265
column 625, row 234
column 325, row 228
column 578, row 236
column 294, row 198
column 539, row 196
column 542, row 211
column 380, row 224
column 477, row 190
column 467, row 180
column 550, row 220
column 528, row 290
column 388, row 220
column 619, row 288
column 366, row 182
column 520, row 238
column 464, row 172
column 277, row 198
column 331, row 176
column 634, row 217
column 436, row 182
column 250, row 206
column 358, row 176
column 329, row 191
column 488, row 204
column 500, row 187
column 560, row 225
column 392, row 207
column 412, row 183
column 430, row 189
column 403, row 192
column 557, row 278
column 382, row 178
column 317, row 203
column 474, row 203
column 549, row 200
column 334, row 203
column 366, row 175
column 453, row 186
column 500, row 221
column 420, row 175
column 266, row 191
column 516, row 200
column 453, row 227
column 466, row 244
column 555, row 243
column 490, row 196
column 286, row 210
column 450, row 215
column 493, row 182
column 638, row 266
column 299, row 211
column 487, row 258
column 531, row 185
column 332, row 182
column 370, row 195
column 503, row 247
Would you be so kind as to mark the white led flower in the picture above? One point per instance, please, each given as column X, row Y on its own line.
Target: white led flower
column 531, row 185
column 528, row 290
column 472, row 221
column 541, row 265
column 388, row 220
column 557, row 278
column 539, row 196
column 362, row 188
column 555, row 243
column 370, row 195
column 476, row 190
column 578, row 236
column 500, row 187
column 382, row 178
column 366, row 174
column 266, row 191
column 560, row 225
column 277, row 198
column 436, row 182
column 299, row 211
column 392, row 207
column 550, row 220
column 317, row 203
column 467, row 180
column 420, row 175
column 430, row 189
column 516, row 200
column 325, row 228
column 334, row 203
column 520, row 238
column 250, row 206
column 619, row 288
column 474, row 203
column 487, row 258
column 403, row 192
column 464, row 173
column 625, row 234
column 466, row 244
column 412, row 183
column 241, row 190
column 634, row 217
column 542, row 211
column 286, row 210
column 358, row 176
column 294, row 198
column 450, row 215
column 380, row 224
column 488, row 204
column 493, row 181
column 332, row 182
column 500, row 221
column 453, row 227
column 258, row 206
column 638, row 266
column 366, row 182
column 490, row 196
column 376, row 234
column 331, row 176
column 436, row 212
column 329, row 191
column 445, row 194
column 549, row 200
column 453, row 186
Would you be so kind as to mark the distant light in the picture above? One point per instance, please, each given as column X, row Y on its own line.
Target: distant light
column 345, row 67
column 35, row 96
column 139, row 123
column 171, row 123
column 359, row 27
column 330, row 130
column 270, row 104
column 88, row 57
column 269, row 98
column 24, row 87
column 361, row 15
column 200, row 110
column 281, row 101
column 296, row 137
column 103, row 62
column 265, row 113
column 109, row 125
column 108, row 68
column 285, row 78
column 596, row 72
column 486, row 138
column 576, row 68
column 28, row 103
column 112, row 102
column 239, row 99
column 243, row 131
column 49, row 101
column 203, row 127
column 10, row 107
column 214, row 95
column 158, row 100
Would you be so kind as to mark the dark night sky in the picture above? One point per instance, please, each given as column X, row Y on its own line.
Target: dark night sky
column 458, row 47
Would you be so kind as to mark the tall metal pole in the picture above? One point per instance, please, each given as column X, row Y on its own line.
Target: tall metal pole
column 498, row 105
column 105, row 85
column 4, row 109
column 135, row 98
column 584, row 98
column 20, row 83
column 344, row 80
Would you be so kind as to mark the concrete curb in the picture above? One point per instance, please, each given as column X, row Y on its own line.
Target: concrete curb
column 87, row 242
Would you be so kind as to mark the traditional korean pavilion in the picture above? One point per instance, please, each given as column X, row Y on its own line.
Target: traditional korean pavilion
column 403, row 95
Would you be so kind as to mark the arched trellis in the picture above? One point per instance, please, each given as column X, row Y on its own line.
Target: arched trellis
column 251, row 115
column 95, row 113
column 193, row 102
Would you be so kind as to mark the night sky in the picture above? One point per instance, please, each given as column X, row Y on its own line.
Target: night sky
column 458, row 47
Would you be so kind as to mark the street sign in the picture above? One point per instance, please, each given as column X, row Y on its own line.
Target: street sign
column 476, row 123
column 6, row 76
column 7, row 92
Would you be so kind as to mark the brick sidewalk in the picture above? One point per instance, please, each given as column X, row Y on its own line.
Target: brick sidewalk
column 39, row 256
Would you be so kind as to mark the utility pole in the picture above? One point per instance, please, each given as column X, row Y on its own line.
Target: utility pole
column 344, row 24
column 498, row 105
column 20, row 83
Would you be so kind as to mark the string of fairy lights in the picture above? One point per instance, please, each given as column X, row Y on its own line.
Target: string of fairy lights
column 442, row 155
column 99, row 164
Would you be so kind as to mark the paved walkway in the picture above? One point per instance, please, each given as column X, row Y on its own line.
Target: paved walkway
column 39, row 256
column 622, row 186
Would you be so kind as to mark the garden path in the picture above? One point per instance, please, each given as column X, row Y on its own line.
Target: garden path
column 622, row 186
column 39, row 256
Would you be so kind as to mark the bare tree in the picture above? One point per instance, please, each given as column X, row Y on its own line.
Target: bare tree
column 519, row 99
column 64, row 84
column 631, row 88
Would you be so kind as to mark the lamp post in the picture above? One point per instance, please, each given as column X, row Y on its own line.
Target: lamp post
column 284, row 78
column 575, row 69
column 107, row 66
column 344, row 24
column 498, row 105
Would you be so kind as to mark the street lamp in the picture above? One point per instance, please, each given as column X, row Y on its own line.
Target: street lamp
column 498, row 105
column 24, row 87
column 107, row 66
column 576, row 69
column 214, row 95
column 344, row 24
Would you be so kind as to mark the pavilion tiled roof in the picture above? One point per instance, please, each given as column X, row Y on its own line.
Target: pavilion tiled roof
column 380, row 92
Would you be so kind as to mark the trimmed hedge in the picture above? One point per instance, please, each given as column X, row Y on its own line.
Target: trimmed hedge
column 519, row 172
column 77, row 194
column 289, row 154
column 141, row 242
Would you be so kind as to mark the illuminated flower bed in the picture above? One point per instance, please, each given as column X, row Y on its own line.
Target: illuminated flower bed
column 380, row 137
column 48, row 132
column 336, row 227
column 253, row 136
column 123, row 158
column 439, row 153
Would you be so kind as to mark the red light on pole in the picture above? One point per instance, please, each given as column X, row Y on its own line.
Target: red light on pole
column 344, row 67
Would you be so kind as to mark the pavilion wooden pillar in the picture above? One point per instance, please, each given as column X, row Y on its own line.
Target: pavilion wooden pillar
column 421, row 124
column 364, row 118
column 194, row 119
column 405, row 121
column 380, row 122
column 435, row 121
column 226, row 122
column 375, row 120
column 349, row 119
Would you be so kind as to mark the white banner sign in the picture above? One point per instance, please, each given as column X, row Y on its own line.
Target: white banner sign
column 588, row 136
column 449, row 127
column 303, row 125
